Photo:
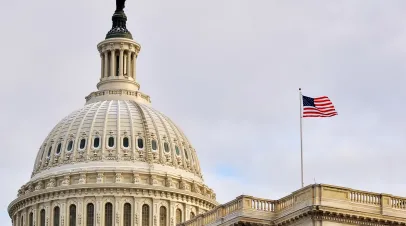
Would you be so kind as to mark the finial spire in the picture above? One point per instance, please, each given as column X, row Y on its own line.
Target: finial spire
column 120, row 5
column 119, row 29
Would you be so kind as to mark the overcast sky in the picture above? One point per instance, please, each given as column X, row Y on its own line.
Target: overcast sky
column 227, row 72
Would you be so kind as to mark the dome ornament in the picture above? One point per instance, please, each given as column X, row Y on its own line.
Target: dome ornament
column 119, row 29
column 120, row 5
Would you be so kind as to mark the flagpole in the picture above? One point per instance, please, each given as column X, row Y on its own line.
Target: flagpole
column 301, row 135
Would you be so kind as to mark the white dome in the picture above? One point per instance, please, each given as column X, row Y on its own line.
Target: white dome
column 140, row 137
column 115, row 153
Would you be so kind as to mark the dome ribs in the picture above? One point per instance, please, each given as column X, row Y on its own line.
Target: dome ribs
column 131, row 130
column 104, row 135
column 148, row 156
column 78, row 132
column 146, row 109
column 91, row 131
column 170, row 139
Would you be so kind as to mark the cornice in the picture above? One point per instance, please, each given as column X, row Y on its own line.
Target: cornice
column 135, row 190
column 325, row 213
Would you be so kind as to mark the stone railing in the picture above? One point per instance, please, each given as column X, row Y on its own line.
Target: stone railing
column 320, row 195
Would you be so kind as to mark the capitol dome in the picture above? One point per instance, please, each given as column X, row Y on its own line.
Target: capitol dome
column 117, row 135
column 117, row 161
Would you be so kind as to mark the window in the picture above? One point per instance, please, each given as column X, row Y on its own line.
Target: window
column 70, row 146
column 56, row 216
column 192, row 215
column 108, row 214
column 127, row 214
column 90, row 215
column 111, row 142
column 154, row 145
column 166, row 147
column 162, row 216
column 82, row 144
column 58, row 149
column 186, row 155
column 145, row 215
column 178, row 216
column 126, row 142
column 72, row 215
column 140, row 143
column 31, row 219
column 42, row 218
column 96, row 142
column 49, row 151
column 22, row 221
column 177, row 150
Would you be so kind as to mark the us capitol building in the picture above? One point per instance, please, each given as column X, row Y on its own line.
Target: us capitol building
column 119, row 162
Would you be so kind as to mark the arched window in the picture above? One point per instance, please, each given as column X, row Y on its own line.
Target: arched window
column 42, row 218
column 96, row 142
column 49, row 151
column 140, row 143
column 22, row 221
column 59, row 148
column 90, row 215
column 162, row 216
column 178, row 216
column 154, row 145
column 31, row 219
column 56, row 216
column 177, row 150
column 72, row 215
column 82, row 144
column 108, row 214
column 127, row 214
column 166, row 147
column 126, row 142
column 70, row 146
column 111, row 142
column 192, row 215
column 145, row 215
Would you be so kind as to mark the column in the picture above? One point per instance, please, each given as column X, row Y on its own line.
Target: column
column 98, row 209
column 129, row 63
column 102, row 65
column 112, row 60
column 121, row 62
column 106, row 64
column 134, row 69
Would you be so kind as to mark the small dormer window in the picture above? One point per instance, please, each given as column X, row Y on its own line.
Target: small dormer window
column 166, row 147
column 49, row 151
column 111, row 142
column 154, row 145
column 140, row 143
column 82, row 144
column 126, row 142
column 177, row 150
column 96, row 142
column 70, row 146
column 59, row 148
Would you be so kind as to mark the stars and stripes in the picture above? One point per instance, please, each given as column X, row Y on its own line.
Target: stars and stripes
column 318, row 107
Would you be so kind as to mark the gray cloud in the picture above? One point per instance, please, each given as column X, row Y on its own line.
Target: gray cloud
column 227, row 72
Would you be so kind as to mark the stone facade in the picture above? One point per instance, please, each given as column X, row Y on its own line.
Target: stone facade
column 314, row 205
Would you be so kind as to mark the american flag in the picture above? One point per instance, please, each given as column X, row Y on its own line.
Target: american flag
column 318, row 107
